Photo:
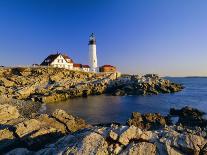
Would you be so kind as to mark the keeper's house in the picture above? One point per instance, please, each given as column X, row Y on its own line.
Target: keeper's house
column 63, row 61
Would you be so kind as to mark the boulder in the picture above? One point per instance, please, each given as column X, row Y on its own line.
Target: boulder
column 46, row 120
column 27, row 127
column 41, row 137
column 142, row 148
column 7, row 113
column 130, row 133
column 148, row 121
column 86, row 142
column 72, row 123
column 189, row 116
column 113, row 135
column 191, row 143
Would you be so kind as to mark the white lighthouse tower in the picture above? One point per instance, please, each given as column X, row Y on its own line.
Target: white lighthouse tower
column 92, row 53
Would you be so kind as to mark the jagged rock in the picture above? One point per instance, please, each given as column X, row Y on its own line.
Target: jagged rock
column 131, row 133
column 148, row 136
column 189, row 116
column 142, row 148
column 81, row 143
column 113, row 135
column 191, row 143
column 6, row 83
column 163, row 149
column 27, row 127
column 148, row 121
column 49, row 121
column 73, row 123
column 41, row 137
column 8, row 112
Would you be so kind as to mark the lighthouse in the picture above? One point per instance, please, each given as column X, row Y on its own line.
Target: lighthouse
column 92, row 53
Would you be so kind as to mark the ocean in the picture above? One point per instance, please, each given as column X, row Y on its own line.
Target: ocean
column 106, row 109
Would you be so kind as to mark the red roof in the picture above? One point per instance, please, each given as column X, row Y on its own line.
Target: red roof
column 107, row 66
column 85, row 66
column 77, row 65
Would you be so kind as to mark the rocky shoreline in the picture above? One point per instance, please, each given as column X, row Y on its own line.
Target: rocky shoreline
column 48, row 85
column 62, row 133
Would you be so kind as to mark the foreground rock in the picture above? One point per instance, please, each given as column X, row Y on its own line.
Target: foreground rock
column 91, row 141
column 36, row 132
column 62, row 133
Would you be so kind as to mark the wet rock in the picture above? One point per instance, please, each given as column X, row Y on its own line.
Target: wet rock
column 148, row 121
column 72, row 123
column 189, row 117
column 7, row 113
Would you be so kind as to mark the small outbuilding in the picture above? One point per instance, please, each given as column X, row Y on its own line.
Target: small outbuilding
column 107, row 68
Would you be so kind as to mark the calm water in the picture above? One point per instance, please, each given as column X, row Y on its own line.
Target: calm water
column 103, row 109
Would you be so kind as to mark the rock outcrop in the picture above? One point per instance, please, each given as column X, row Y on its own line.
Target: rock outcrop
column 189, row 117
column 148, row 121
column 48, row 84
column 142, row 85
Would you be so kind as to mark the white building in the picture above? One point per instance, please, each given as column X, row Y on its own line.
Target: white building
column 92, row 54
column 58, row 60
column 63, row 61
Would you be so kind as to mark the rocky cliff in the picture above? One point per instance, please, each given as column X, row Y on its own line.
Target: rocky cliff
column 46, row 84
column 51, row 84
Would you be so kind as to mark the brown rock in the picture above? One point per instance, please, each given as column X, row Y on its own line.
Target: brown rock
column 26, row 127
column 73, row 123
column 142, row 148
column 131, row 133
column 8, row 112
column 52, row 122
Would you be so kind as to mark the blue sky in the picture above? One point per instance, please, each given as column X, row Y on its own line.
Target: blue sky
column 137, row 36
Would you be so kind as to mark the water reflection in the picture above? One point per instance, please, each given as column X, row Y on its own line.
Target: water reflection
column 103, row 109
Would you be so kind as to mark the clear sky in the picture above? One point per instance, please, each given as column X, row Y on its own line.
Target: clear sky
column 138, row 36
